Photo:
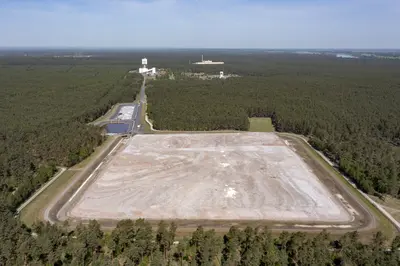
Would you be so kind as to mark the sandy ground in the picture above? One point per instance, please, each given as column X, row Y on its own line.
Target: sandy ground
column 125, row 112
column 233, row 176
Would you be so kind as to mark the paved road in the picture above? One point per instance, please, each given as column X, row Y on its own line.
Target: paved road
column 137, row 126
column 135, row 123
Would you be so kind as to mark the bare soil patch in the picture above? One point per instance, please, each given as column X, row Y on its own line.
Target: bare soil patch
column 235, row 176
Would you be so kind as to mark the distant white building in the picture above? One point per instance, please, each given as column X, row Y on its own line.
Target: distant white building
column 349, row 56
column 208, row 62
column 145, row 70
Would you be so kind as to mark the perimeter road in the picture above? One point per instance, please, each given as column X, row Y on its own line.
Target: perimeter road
column 51, row 215
column 395, row 223
column 137, row 123
column 82, row 177
column 37, row 193
column 134, row 130
column 93, row 173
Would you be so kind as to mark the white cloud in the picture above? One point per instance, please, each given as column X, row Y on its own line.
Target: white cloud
column 218, row 23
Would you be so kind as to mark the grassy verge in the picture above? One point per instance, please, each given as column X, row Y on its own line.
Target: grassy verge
column 261, row 124
column 384, row 225
column 146, row 126
column 33, row 212
column 137, row 98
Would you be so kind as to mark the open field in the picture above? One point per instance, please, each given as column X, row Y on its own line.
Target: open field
column 261, row 124
column 146, row 126
column 365, row 221
column 240, row 176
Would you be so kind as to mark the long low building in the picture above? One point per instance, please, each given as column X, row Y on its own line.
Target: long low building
column 145, row 70
column 209, row 62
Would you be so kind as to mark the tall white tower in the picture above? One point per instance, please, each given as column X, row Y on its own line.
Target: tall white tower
column 144, row 62
column 143, row 69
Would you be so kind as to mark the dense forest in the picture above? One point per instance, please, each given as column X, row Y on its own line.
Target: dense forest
column 44, row 111
column 350, row 109
column 136, row 243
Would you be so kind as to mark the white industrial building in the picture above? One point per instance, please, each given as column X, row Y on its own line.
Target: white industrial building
column 145, row 70
column 208, row 62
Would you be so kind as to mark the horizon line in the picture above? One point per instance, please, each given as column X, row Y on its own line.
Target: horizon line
column 179, row 48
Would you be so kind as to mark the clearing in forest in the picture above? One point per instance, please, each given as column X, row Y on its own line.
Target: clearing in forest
column 230, row 176
column 261, row 124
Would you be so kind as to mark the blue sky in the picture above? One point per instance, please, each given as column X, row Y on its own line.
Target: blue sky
column 200, row 23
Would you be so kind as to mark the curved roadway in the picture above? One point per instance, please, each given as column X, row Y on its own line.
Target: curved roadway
column 394, row 222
